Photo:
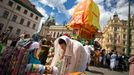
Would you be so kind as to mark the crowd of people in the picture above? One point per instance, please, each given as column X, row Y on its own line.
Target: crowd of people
column 111, row 60
column 36, row 55
column 27, row 55
column 100, row 58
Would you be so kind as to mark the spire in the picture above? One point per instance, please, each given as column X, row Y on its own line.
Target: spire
column 115, row 14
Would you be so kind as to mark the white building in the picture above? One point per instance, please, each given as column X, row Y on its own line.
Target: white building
column 55, row 31
column 20, row 16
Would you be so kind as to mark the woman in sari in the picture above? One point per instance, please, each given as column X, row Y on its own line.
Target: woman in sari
column 34, row 66
column 33, row 50
column 70, row 56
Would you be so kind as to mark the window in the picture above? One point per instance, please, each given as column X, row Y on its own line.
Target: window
column 10, row 28
column 124, row 43
column 25, row 11
column 21, row 21
column 5, row 14
column 115, row 41
column 115, row 20
column 18, row 8
column 1, row 26
column 132, row 23
column 124, row 36
column 28, row 24
column 130, row 36
column 31, row 15
column 36, row 17
column 18, row 31
column 118, row 29
column 108, row 40
column 115, row 28
column 123, row 49
column 14, row 18
column 34, row 25
column 119, row 38
column 10, row 3
column 124, row 29
column 115, row 34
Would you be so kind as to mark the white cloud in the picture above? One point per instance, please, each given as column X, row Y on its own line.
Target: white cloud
column 121, row 8
column 59, row 4
column 70, row 11
column 132, row 9
column 98, row 1
column 52, row 13
column 78, row 1
column 104, row 15
column 120, row 3
column 57, row 23
column 42, row 11
column 108, row 3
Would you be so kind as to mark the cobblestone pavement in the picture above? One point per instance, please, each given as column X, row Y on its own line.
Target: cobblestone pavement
column 104, row 71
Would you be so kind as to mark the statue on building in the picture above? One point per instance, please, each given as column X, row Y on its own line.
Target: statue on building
column 45, row 26
column 50, row 21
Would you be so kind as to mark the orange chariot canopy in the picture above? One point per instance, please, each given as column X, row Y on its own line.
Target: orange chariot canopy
column 85, row 19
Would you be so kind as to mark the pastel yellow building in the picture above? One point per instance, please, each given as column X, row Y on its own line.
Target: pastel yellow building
column 115, row 35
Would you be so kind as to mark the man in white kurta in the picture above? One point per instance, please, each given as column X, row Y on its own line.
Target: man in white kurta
column 72, row 59
column 88, row 49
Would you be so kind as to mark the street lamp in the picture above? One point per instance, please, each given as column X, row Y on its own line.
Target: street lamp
column 128, row 31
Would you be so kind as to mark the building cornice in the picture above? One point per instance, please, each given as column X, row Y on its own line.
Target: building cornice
column 29, row 8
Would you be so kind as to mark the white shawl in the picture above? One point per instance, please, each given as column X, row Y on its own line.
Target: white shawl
column 77, row 52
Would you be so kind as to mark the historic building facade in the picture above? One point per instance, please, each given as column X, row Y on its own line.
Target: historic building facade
column 19, row 16
column 115, row 35
column 49, row 27
column 55, row 31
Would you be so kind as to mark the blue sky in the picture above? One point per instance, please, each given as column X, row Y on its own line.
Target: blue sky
column 62, row 10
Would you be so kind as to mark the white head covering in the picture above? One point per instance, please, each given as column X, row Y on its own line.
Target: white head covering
column 74, row 49
column 35, row 45
column 58, row 49
column 69, row 45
